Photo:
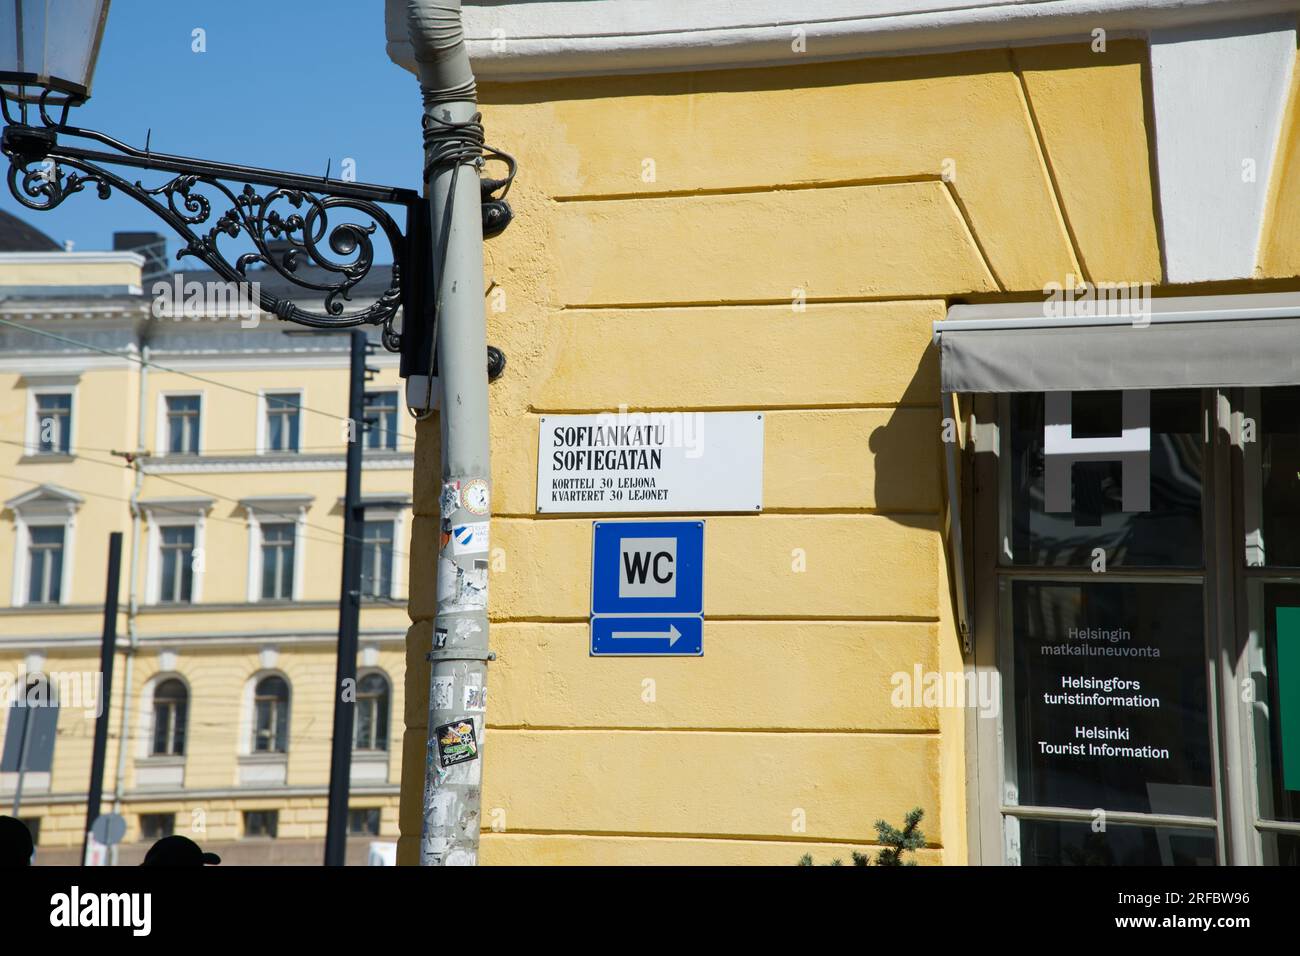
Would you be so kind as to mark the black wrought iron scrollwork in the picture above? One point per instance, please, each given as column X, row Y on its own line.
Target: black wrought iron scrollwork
column 284, row 216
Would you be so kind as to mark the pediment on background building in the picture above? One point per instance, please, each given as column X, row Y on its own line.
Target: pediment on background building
column 45, row 499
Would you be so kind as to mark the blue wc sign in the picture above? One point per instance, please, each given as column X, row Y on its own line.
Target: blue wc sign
column 647, row 588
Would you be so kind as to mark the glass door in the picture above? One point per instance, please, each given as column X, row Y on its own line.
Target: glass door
column 1104, row 627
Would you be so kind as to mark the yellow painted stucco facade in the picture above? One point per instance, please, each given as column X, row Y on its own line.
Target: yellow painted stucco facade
column 777, row 239
column 94, row 338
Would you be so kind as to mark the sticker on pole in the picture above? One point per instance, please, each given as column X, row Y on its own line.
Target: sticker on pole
column 647, row 589
column 456, row 743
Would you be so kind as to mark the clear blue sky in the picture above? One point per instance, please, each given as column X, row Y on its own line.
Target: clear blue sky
column 286, row 84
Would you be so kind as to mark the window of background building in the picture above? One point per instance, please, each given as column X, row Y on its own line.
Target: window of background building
column 277, row 561
column 183, row 424
column 31, row 730
column 261, row 823
column 282, row 414
column 372, row 713
column 53, row 423
column 33, row 825
column 176, row 564
column 377, row 558
column 45, row 564
column 155, row 826
column 170, row 707
column 363, row 821
column 381, row 420
column 271, row 715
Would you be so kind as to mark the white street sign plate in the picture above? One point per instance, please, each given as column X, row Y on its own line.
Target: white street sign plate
column 642, row 462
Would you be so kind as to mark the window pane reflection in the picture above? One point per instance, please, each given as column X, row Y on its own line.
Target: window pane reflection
column 1055, row 843
column 1167, row 534
column 1280, row 475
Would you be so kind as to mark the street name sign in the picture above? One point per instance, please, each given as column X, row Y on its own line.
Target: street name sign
column 641, row 462
column 647, row 588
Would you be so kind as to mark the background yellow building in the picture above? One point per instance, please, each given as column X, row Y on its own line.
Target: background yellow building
column 217, row 448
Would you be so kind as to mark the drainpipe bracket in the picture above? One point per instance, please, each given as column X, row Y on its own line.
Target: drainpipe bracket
column 460, row 654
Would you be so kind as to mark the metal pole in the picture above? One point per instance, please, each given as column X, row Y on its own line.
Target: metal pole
column 345, row 681
column 22, row 751
column 453, row 141
column 132, row 593
column 108, row 652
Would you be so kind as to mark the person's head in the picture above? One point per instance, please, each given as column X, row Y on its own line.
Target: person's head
column 177, row 850
column 15, row 843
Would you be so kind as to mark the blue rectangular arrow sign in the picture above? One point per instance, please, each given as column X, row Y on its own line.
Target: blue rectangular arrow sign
column 647, row 588
column 640, row 636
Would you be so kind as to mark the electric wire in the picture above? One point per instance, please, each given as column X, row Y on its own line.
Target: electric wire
column 150, row 363
column 201, row 490
column 127, row 501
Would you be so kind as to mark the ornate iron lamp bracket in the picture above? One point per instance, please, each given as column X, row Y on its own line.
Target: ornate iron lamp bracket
column 205, row 202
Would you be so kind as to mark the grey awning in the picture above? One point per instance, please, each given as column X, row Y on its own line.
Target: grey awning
column 1195, row 342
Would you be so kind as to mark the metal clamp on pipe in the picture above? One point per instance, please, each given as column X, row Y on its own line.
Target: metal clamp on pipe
column 460, row 654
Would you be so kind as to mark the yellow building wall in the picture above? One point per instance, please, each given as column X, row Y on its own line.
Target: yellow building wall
column 48, row 270
column 777, row 240
column 218, row 641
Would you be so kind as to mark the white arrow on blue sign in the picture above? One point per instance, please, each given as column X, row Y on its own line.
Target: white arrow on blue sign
column 647, row 588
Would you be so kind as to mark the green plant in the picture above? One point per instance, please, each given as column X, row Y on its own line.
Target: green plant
column 894, row 843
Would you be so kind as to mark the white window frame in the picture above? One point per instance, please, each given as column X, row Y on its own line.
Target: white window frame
column 271, row 513
column 42, row 513
column 248, row 716
column 362, row 674
column 397, row 403
column 31, row 434
column 398, row 517
column 145, row 717
column 161, row 515
column 161, row 449
column 262, row 396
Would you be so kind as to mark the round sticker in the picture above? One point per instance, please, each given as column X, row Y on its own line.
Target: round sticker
column 474, row 496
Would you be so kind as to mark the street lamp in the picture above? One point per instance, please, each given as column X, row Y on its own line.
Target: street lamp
column 48, row 50
column 49, row 47
column 46, row 70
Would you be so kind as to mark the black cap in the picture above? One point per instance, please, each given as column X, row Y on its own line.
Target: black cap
column 15, row 842
column 178, row 851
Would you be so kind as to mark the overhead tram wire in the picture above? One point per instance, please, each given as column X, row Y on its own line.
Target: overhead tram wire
column 150, row 363
column 201, row 490
column 234, row 521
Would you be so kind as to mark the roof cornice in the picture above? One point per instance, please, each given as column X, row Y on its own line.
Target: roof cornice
column 520, row 40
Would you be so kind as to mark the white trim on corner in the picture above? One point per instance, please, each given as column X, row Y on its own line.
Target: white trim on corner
column 1220, row 95
column 522, row 40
